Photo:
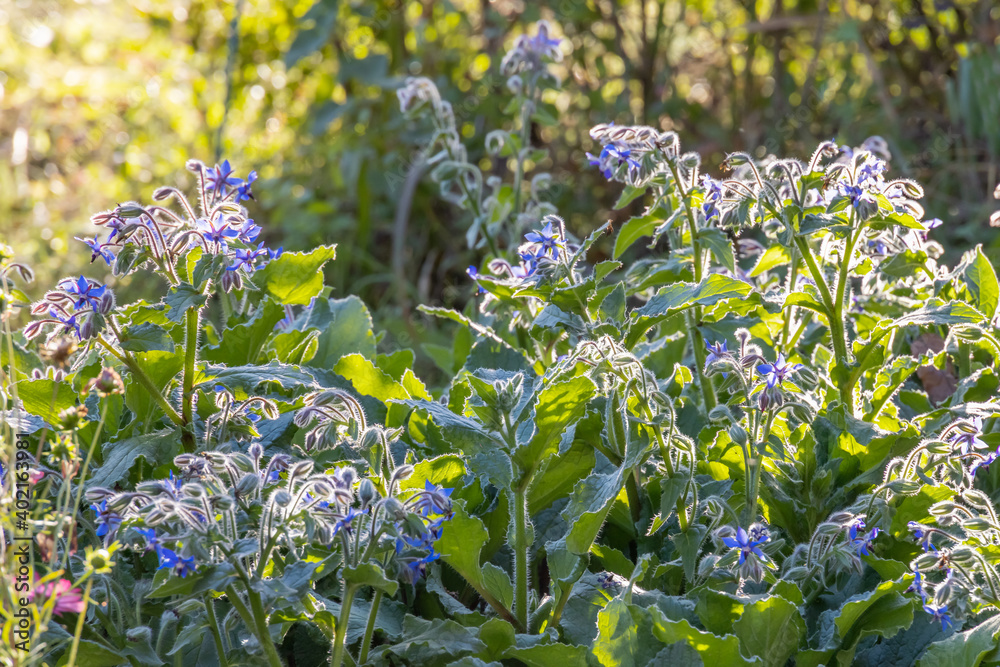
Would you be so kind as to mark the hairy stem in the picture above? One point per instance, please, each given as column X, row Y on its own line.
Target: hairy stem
column 213, row 624
column 192, row 322
column 366, row 643
column 520, row 518
column 337, row 658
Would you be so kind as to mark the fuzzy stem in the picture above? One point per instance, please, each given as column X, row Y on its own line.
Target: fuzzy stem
column 520, row 517
column 263, row 634
column 370, row 628
column 192, row 322
column 337, row 658
column 213, row 624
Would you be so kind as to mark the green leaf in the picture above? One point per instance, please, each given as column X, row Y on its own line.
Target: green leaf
column 248, row 378
column 182, row 298
column 674, row 298
column 982, row 282
column 774, row 256
column 346, row 328
column 46, row 398
column 425, row 642
column 157, row 448
column 714, row 650
column 556, row 407
column 629, row 194
column 963, row 648
column 368, row 380
column 588, row 508
column 94, row 654
column 162, row 368
column 145, row 337
column 634, row 229
column 720, row 245
column 623, row 636
column 370, row 574
column 882, row 611
column 295, row 277
column 772, row 629
column 206, row 578
column 460, row 546
column 242, row 344
column 904, row 264
column 323, row 14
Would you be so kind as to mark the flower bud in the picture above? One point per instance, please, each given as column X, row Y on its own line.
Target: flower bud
column 223, row 503
column 942, row 508
column 904, row 487
column 282, row 498
column 107, row 302
column 248, row 484
column 963, row 556
column 256, row 451
column 107, row 382
column 87, row 329
column 926, row 561
column 301, row 469
column 129, row 210
column 976, row 525
column 971, row 334
column 367, row 493
column 939, row 447
column 394, row 509
column 189, row 607
column 738, row 434
column 142, row 634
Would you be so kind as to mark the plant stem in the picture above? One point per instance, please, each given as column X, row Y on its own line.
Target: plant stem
column 216, row 634
column 366, row 643
column 835, row 322
column 140, row 375
column 520, row 517
column 263, row 634
column 693, row 320
column 337, row 658
column 79, row 624
column 192, row 322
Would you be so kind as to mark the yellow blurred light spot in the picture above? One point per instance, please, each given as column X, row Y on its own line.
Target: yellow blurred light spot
column 480, row 64
column 468, row 129
column 430, row 33
column 360, row 52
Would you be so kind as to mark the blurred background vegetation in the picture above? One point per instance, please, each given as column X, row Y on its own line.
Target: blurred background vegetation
column 103, row 101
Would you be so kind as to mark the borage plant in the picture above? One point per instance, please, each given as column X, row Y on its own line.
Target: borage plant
column 768, row 436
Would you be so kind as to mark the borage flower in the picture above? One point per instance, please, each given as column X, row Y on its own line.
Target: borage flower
column 180, row 566
column 221, row 176
column 777, row 372
column 939, row 613
column 745, row 544
column 87, row 291
column 243, row 188
column 550, row 241
column 107, row 521
column 861, row 542
column 97, row 249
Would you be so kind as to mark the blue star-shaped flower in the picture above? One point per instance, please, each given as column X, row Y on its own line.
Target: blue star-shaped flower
column 243, row 188
column 220, row 176
column 87, row 292
column 181, row 566
column 776, row 373
column 98, row 249
column 939, row 614
column 746, row 546
column 107, row 520
column 549, row 240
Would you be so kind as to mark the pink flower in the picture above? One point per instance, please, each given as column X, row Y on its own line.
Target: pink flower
column 68, row 599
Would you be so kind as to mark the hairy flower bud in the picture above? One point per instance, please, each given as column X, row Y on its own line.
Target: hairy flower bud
column 247, row 485
column 394, row 509
column 367, row 494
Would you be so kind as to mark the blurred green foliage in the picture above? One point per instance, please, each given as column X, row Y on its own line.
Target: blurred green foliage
column 102, row 100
